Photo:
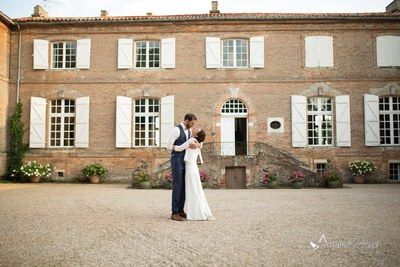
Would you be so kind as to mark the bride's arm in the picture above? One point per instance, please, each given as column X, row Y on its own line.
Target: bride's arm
column 184, row 145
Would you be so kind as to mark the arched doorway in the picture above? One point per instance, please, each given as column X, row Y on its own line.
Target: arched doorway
column 234, row 128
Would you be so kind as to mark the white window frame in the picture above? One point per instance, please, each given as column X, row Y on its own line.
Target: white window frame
column 320, row 113
column 62, row 115
column 147, row 54
column 235, row 53
column 147, row 114
column 389, row 112
column 390, row 170
column 64, row 55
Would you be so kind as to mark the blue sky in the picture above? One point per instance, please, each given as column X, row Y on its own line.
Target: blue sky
column 23, row 8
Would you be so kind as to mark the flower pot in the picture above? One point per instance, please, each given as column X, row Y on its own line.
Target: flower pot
column 359, row 179
column 334, row 184
column 272, row 184
column 34, row 179
column 298, row 185
column 145, row 185
column 94, row 179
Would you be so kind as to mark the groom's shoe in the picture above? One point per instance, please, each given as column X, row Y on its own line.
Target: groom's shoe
column 177, row 217
column 182, row 214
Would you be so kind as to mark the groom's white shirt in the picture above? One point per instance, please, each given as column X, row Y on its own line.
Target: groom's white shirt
column 174, row 134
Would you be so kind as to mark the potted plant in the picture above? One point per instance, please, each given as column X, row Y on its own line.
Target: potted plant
column 204, row 177
column 296, row 179
column 332, row 178
column 359, row 169
column 144, row 180
column 94, row 171
column 168, row 179
column 271, row 180
column 34, row 171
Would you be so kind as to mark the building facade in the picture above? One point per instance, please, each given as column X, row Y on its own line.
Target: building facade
column 317, row 88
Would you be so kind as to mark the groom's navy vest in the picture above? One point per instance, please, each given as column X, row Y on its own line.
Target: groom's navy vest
column 179, row 141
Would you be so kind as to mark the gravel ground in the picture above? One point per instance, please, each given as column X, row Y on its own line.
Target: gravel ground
column 108, row 225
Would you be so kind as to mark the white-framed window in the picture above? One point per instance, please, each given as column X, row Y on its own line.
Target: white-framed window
column 147, row 54
column 147, row 122
column 389, row 120
column 394, row 172
column 235, row 53
column 320, row 167
column 63, row 55
column 234, row 106
column 320, row 121
column 62, row 123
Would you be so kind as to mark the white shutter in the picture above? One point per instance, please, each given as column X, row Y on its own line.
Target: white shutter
column 168, row 53
column 383, row 50
column 395, row 50
column 325, row 57
column 123, row 132
column 257, row 52
column 83, row 54
column 167, row 118
column 82, row 121
column 343, row 129
column 299, row 121
column 312, row 48
column 371, row 117
column 227, row 136
column 125, row 50
column 213, row 52
column 40, row 54
column 37, row 126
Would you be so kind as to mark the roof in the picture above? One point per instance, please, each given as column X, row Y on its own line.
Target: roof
column 215, row 17
column 6, row 19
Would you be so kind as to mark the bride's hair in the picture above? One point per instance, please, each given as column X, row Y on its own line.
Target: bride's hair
column 201, row 136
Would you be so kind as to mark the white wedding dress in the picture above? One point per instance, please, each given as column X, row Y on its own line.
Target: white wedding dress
column 196, row 206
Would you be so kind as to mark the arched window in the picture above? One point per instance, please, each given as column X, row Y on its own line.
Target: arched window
column 389, row 120
column 147, row 122
column 320, row 121
column 62, row 123
column 234, row 106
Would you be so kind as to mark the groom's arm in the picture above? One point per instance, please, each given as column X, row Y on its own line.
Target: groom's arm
column 173, row 135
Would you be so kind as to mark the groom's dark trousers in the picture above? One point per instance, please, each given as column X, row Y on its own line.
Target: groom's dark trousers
column 178, row 174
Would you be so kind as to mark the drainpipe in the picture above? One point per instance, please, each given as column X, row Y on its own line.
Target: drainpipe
column 19, row 62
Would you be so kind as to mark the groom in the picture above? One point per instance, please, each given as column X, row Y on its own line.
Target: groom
column 178, row 136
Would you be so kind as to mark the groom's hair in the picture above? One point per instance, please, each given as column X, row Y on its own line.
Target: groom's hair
column 201, row 136
column 190, row 117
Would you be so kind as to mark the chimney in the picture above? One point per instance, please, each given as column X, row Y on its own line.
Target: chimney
column 39, row 11
column 103, row 13
column 394, row 6
column 214, row 7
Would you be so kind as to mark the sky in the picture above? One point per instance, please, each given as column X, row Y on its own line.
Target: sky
column 65, row 8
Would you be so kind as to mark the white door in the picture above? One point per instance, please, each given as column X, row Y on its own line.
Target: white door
column 227, row 136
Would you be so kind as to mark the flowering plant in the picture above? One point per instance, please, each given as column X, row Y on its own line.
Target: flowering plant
column 331, row 176
column 204, row 177
column 93, row 169
column 168, row 177
column 297, row 176
column 361, row 167
column 268, row 177
column 33, row 168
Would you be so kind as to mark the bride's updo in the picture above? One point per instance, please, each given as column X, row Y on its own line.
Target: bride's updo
column 201, row 136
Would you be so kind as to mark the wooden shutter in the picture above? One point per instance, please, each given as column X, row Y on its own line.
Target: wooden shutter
column 311, row 50
column 123, row 135
column 395, row 50
column 168, row 53
column 125, row 50
column 83, row 54
column 383, row 50
column 371, row 117
column 343, row 128
column 82, row 121
column 257, row 52
column 227, row 136
column 167, row 118
column 40, row 54
column 213, row 52
column 299, row 121
column 37, row 126
column 325, row 56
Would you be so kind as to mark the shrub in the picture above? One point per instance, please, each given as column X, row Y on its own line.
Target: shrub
column 143, row 177
column 204, row 177
column 33, row 168
column 94, row 169
column 168, row 177
column 269, row 177
column 297, row 176
column 361, row 167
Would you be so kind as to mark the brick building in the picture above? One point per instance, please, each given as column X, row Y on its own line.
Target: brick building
column 312, row 87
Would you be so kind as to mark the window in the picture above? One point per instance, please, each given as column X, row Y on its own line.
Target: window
column 147, row 54
column 394, row 171
column 235, row 53
column 147, row 122
column 62, row 123
column 389, row 120
column 388, row 51
column 64, row 55
column 321, row 167
column 234, row 106
column 319, row 51
column 320, row 121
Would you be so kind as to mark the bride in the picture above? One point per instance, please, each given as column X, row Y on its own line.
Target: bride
column 196, row 206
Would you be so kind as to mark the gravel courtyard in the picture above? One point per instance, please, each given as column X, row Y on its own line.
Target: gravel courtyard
column 92, row 225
